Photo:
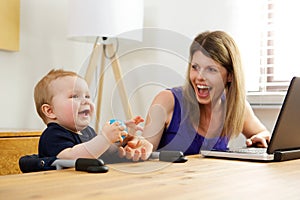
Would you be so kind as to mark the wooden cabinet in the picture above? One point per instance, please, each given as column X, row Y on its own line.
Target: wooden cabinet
column 13, row 145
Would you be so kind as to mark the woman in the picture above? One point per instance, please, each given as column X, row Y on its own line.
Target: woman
column 211, row 107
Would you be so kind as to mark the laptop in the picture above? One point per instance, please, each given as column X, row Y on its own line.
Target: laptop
column 285, row 139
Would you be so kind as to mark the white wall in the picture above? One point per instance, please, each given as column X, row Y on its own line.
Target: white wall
column 44, row 45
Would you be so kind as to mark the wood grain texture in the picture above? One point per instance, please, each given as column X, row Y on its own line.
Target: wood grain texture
column 13, row 145
column 198, row 178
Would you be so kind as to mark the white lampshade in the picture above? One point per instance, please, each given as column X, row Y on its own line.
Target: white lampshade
column 105, row 18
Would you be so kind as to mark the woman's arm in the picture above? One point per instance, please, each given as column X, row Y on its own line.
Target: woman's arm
column 158, row 117
column 255, row 132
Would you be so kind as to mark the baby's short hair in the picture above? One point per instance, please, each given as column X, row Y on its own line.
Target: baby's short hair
column 42, row 94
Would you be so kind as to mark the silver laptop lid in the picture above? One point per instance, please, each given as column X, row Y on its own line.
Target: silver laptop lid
column 286, row 133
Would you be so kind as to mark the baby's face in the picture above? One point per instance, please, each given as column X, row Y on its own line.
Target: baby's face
column 71, row 102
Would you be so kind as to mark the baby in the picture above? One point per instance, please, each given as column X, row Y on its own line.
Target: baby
column 62, row 100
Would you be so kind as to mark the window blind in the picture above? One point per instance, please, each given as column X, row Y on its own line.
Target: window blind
column 279, row 43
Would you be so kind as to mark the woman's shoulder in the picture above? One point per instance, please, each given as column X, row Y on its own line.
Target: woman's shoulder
column 164, row 95
column 166, row 99
column 170, row 93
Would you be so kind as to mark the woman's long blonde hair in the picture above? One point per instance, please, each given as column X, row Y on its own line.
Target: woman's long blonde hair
column 219, row 46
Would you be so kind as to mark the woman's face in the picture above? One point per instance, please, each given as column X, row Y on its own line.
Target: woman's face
column 208, row 78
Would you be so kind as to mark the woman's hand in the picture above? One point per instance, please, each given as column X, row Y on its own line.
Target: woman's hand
column 137, row 148
column 132, row 125
column 260, row 140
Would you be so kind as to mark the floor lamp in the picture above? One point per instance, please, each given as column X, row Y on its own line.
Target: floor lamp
column 99, row 21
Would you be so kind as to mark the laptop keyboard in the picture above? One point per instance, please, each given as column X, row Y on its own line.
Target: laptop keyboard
column 252, row 150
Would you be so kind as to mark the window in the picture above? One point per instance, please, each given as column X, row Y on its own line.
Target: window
column 279, row 45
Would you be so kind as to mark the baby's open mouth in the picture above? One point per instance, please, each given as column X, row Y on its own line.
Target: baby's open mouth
column 84, row 112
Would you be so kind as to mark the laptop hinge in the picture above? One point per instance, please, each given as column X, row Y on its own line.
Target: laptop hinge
column 286, row 155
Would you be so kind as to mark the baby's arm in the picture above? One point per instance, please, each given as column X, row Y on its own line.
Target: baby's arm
column 96, row 146
column 91, row 149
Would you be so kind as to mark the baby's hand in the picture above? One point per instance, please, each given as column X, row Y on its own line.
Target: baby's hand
column 114, row 132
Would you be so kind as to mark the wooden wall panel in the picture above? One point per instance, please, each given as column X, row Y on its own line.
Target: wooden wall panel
column 15, row 145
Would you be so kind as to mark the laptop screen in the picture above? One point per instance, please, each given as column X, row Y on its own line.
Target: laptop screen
column 286, row 133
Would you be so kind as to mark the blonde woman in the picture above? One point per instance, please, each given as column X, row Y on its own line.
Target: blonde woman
column 210, row 108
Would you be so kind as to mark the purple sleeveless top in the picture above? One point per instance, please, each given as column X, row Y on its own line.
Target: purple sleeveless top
column 181, row 135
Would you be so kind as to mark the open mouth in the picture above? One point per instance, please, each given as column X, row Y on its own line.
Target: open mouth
column 203, row 90
column 84, row 112
column 203, row 87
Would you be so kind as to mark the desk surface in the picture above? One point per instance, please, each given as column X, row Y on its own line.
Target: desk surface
column 198, row 178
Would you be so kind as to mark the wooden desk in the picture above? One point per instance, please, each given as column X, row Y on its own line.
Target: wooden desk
column 199, row 178
column 15, row 144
